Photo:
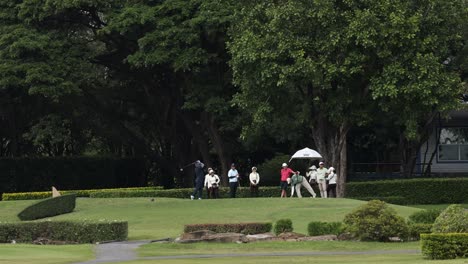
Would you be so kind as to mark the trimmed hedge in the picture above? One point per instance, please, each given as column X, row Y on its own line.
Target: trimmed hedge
column 79, row 193
column 445, row 246
column 415, row 191
column 49, row 207
column 244, row 228
column 64, row 231
column 70, row 173
column 183, row 193
column 283, row 225
column 416, row 229
column 325, row 228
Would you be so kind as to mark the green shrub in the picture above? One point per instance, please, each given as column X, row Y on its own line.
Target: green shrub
column 325, row 228
column 454, row 219
column 79, row 193
column 424, row 216
column 416, row 229
column 282, row 226
column 49, row 207
column 445, row 246
column 375, row 221
column 389, row 199
column 416, row 191
column 66, row 231
column 244, row 228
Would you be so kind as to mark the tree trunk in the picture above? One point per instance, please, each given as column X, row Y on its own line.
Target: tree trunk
column 342, row 170
column 219, row 147
column 331, row 143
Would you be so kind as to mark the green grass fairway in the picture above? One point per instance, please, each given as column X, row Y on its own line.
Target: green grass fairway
column 171, row 249
column 339, row 259
column 166, row 217
column 29, row 254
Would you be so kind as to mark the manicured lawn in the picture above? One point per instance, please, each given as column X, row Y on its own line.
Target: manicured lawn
column 170, row 249
column 166, row 217
column 338, row 259
column 26, row 254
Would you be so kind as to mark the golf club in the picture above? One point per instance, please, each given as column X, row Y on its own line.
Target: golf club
column 182, row 169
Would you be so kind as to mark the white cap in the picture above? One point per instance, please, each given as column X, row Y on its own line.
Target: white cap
column 254, row 168
column 313, row 167
column 321, row 163
column 210, row 171
column 284, row 165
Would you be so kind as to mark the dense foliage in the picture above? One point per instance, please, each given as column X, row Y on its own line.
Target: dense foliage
column 49, row 207
column 64, row 231
column 454, row 219
column 231, row 81
column 375, row 221
column 445, row 246
column 69, row 173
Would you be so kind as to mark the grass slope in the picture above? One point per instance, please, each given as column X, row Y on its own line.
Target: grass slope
column 166, row 217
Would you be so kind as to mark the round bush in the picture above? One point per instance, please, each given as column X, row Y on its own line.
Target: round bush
column 425, row 216
column 454, row 219
column 283, row 225
column 375, row 221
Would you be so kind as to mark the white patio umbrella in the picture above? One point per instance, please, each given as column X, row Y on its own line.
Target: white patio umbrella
column 306, row 153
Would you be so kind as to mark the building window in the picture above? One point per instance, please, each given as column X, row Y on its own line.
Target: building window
column 453, row 144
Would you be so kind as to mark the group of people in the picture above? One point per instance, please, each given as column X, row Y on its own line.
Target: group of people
column 211, row 182
column 323, row 177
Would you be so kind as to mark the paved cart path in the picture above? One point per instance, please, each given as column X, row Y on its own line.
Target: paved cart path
column 126, row 251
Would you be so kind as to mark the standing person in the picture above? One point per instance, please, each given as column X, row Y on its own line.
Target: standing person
column 297, row 181
column 331, row 178
column 285, row 173
column 213, row 184
column 312, row 174
column 321, row 174
column 199, row 180
column 233, row 176
column 254, row 178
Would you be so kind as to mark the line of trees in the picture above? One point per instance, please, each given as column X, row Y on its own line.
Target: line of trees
column 222, row 81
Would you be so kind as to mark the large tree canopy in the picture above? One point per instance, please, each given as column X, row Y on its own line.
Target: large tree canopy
column 178, row 80
column 337, row 64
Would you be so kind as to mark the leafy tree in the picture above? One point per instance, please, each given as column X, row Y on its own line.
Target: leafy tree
column 332, row 65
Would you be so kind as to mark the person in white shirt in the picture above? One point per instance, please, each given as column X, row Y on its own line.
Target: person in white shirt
column 233, row 176
column 331, row 178
column 322, row 183
column 312, row 174
column 254, row 178
column 212, row 182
